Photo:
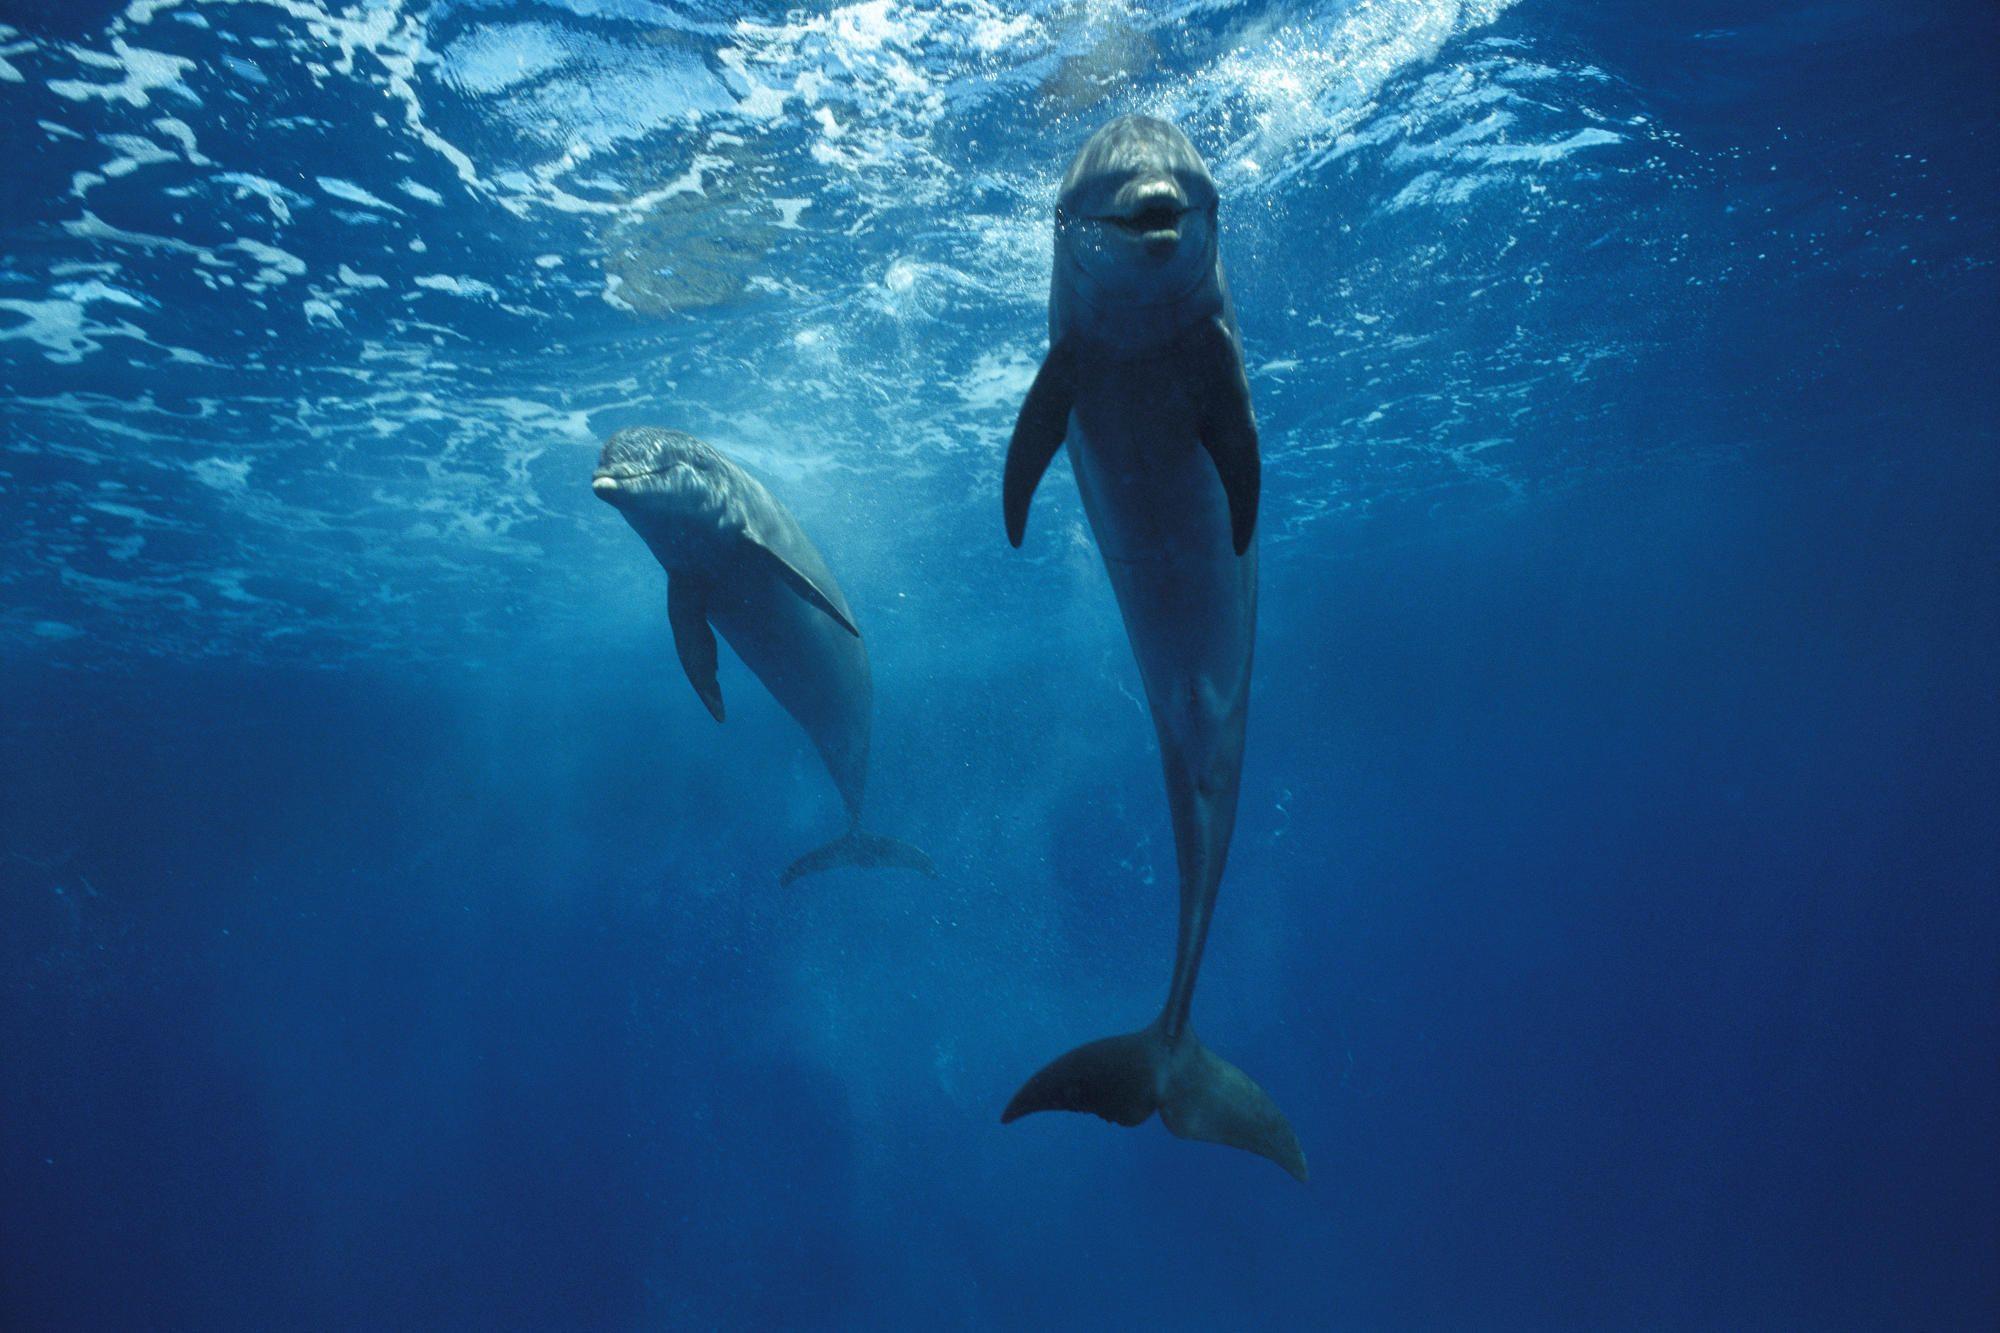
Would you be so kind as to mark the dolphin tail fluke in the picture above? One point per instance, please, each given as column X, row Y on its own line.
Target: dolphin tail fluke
column 861, row 849
column 1198, row 1094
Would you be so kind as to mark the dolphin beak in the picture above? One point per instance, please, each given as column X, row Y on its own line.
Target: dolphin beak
column 1150, row 213
column 603, row 484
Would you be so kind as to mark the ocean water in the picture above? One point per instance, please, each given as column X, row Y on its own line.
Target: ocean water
column 389, row 938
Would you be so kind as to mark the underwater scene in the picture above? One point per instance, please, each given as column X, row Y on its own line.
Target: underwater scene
column 1003, row 664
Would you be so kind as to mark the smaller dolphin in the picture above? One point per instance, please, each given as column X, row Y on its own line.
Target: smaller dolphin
column 737, row 560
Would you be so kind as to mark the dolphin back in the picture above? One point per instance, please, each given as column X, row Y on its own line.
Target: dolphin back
column 771, row 527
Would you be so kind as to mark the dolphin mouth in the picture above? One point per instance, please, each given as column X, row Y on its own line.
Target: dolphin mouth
column 1150, row 211
column 608, row 483
column 1159, row 219
column 618, row 472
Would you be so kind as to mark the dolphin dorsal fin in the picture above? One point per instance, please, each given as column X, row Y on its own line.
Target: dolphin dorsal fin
column 1038, row 434
column 1213, row 366
column 798, row 563
column 687, row 612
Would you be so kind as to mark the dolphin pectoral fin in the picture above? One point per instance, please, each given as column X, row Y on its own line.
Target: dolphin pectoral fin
column 1208, row 1098
column 862, row 850
column 1235, row 453
column 1214, row 369
column 1198, row 1094
column 802, row 583
column 687, row 612
column 1038, row 433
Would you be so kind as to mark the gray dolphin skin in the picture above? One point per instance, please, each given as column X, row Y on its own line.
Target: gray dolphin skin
column 738, row 562
column 1144, row 380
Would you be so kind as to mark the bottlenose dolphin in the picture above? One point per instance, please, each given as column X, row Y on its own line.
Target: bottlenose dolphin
column 1144, row 380
column 737, row 560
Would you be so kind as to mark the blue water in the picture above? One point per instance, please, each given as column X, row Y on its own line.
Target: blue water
column 389, row 939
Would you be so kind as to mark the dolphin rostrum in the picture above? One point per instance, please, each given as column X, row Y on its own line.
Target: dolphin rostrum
column 737, row 560
column 1145, row 381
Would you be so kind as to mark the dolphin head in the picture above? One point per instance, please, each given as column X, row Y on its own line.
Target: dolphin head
column 665, row 482
column 1135, row 222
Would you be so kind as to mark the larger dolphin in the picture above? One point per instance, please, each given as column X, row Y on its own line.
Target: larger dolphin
column 738, row 561
column 1144, row 380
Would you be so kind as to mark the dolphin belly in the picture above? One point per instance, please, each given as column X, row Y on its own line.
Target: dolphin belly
column 1189, row 603
column 816, row 670
column 1161, row 521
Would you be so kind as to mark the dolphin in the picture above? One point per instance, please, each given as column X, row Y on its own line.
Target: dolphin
column 737, row 561
column 1144, row 380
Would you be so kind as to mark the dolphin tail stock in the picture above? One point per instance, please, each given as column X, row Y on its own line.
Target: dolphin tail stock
column 1198, row 1094
column 864, row 850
